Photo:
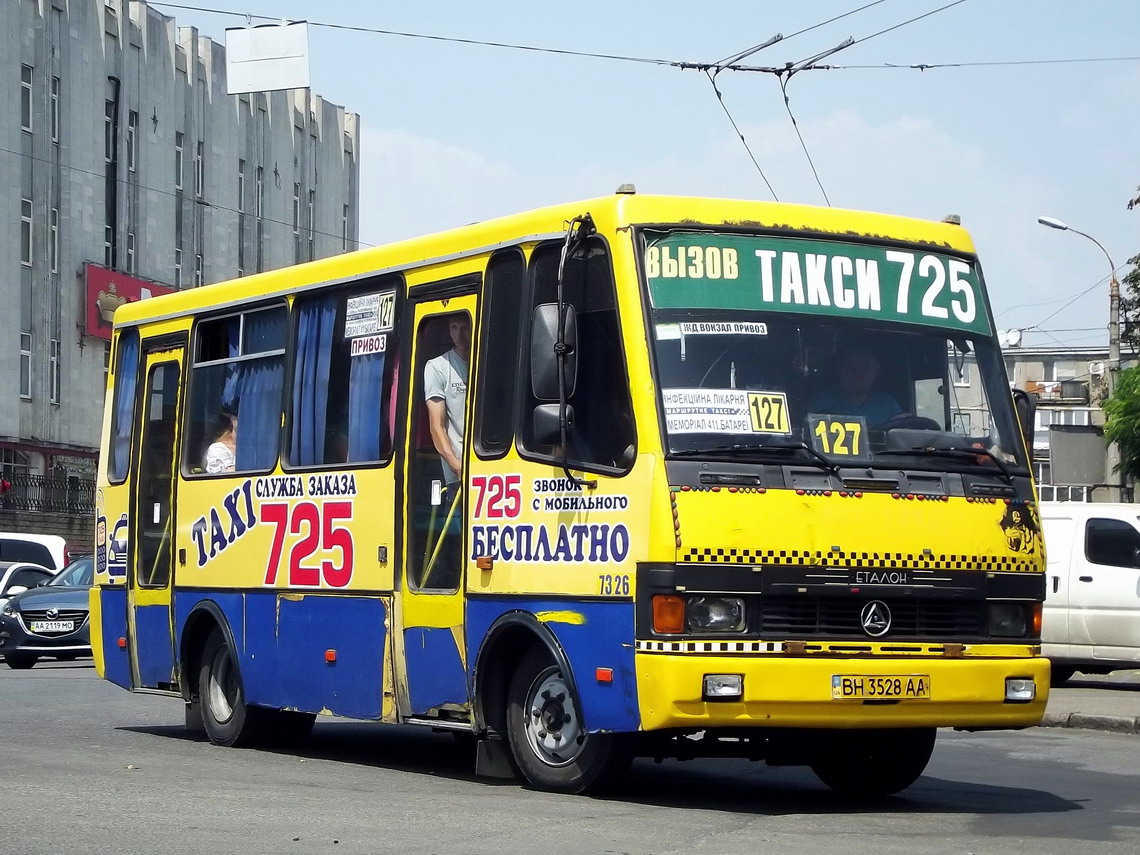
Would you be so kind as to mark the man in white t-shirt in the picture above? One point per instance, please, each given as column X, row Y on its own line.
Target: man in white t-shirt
column 445, row 388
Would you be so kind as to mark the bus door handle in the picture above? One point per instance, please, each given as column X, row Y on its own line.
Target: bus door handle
column 1056, row 584
column 1085, row 578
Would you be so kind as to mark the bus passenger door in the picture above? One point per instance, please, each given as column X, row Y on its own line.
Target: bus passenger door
column 431, row 667
column 150, row 565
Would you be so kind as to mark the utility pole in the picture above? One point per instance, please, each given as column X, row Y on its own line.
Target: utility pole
column 1112, row 456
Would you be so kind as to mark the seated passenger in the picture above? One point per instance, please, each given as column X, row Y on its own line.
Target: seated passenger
column 853, row 392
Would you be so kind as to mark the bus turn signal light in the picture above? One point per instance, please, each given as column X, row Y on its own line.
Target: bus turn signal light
column 668, row 614
column 1035, row 619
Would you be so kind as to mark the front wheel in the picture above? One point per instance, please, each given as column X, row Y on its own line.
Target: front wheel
column 874, row 763
column 548, row 739
column 1060, row 674
column 228, row 719
column 21, row 661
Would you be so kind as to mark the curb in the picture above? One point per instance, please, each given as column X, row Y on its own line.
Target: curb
column 1085, row 721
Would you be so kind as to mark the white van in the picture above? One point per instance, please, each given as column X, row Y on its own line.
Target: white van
column 1091, row 620
column 48, row 550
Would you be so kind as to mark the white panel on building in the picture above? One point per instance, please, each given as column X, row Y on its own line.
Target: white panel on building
column 267, row 58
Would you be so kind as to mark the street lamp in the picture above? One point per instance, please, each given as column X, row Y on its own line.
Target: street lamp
column 1113, row 456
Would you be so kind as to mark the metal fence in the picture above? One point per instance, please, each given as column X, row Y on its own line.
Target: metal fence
column 49, row 495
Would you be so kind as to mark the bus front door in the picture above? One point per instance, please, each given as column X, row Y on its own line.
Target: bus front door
column 431, row 602
column 150, row 568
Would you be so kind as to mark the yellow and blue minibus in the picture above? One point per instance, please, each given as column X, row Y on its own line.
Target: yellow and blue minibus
column 633, row 476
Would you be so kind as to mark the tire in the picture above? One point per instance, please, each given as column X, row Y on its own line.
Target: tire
column 874, row 763
column 21, row 661
column 227, row 718
column 1060, row 674
column 550, row 746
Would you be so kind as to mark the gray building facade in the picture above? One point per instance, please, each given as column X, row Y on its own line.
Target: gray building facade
column 124, row 161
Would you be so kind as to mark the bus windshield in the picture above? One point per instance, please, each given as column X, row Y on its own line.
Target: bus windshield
column 818, row 348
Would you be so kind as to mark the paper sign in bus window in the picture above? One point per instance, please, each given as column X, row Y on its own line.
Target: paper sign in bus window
column 368, row 314
column 732, row 411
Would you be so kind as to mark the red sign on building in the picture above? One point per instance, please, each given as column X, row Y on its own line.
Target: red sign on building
column 109, row 289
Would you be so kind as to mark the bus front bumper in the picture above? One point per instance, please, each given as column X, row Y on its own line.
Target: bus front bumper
column 817, row 692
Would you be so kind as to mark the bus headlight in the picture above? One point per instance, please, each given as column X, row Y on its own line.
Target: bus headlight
column 1007, row 620
column 715, row 614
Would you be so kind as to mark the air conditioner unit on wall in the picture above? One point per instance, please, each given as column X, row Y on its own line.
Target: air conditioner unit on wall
column 1096, row 368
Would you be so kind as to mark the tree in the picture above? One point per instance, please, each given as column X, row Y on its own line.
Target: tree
column 1122, row 420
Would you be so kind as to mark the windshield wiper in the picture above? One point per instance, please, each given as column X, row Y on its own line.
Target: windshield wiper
column 817, row 459
column 958, row 453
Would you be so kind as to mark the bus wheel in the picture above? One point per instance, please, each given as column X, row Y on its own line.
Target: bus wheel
column 225, row 714
column 874, row 763
column 551, row 747
column 21, row 661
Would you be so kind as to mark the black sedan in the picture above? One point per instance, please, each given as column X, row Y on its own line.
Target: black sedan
column 50, row 620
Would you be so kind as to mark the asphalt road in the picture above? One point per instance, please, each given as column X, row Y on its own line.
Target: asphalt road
column 89, row 768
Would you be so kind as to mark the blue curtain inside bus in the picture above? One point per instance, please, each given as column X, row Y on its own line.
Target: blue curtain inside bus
column 365, row 407
column 315, row 328
column 259, row 384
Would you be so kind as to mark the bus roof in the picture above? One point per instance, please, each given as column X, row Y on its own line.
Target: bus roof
column 609, row 212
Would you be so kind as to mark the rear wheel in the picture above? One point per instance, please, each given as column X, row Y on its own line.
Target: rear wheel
column 874, row 763
column 548, row 739
column 21, row 661
column 225, row 714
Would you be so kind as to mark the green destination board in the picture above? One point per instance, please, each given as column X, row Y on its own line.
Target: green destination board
column 704, row 270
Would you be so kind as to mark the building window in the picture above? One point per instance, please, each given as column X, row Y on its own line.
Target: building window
column 26, row 232
column 132, row 129
column 961, row 374
column 26, row 365
column 55, row 376
column 55, row 109
column 178, row 146
column 108, row 246
column 198, row 270
column 130, row 252
column 312, row 221
column 241, row 186
column 108, row 131
column 344, row 228
column 199, row 169
column 26, row 98
column 296, row 209
column 296, row 222
column 177, row 268
column 53, row 240
column 260, row 200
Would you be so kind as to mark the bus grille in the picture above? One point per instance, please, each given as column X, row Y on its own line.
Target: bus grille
column 909, row 618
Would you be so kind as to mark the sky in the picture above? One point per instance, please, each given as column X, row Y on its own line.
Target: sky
column 454, row 133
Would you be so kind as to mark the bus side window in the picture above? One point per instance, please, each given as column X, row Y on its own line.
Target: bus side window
column 123, row 408
column 603, row 436
column 343, row 374
column 237, row 372
column 502, row 323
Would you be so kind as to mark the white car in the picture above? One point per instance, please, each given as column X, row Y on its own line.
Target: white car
column 19, row 576
column 1091, row 619
column 49, row 550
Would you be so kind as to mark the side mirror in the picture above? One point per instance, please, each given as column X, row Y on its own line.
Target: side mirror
column 1026, row 407
column 546, row 428
column 15, row 589
column 543, row 355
